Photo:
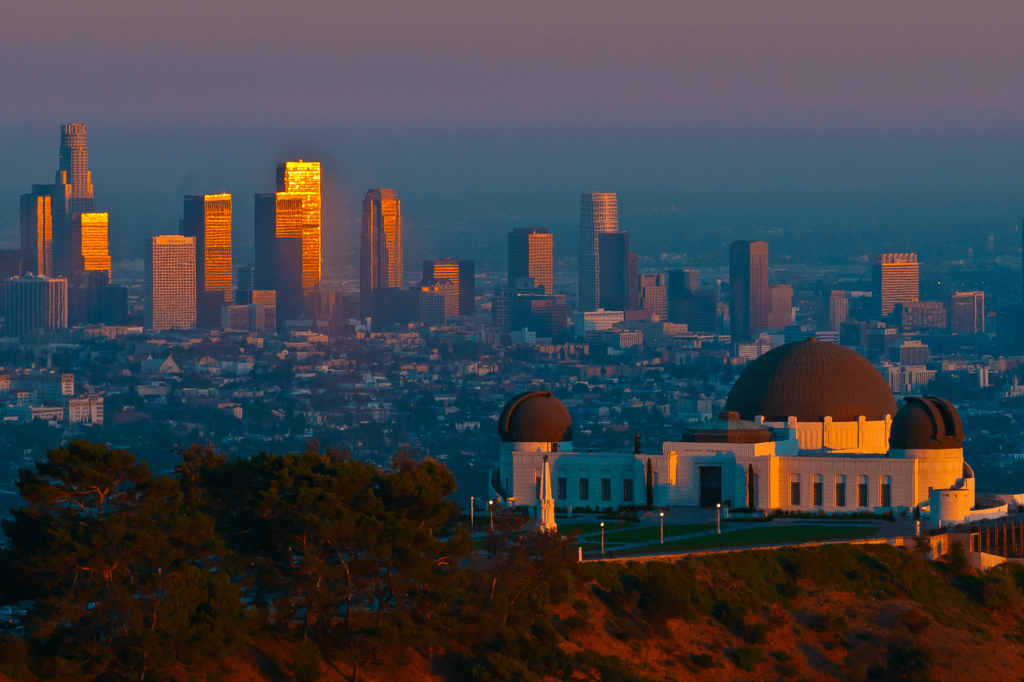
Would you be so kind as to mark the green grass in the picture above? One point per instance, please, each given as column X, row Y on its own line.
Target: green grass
column 648, row 533
column 762, row 536
column 586, row 528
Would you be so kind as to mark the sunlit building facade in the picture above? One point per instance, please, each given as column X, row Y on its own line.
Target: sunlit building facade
column 302, row 178
column 279, row 228
column 381, row 261
column 531, row 254
column 895, row 279
column 599, row 214
column 37, row 233
column 654, row 296
column 171, row 283
column 461, row 275
column 90, row 246
column 207, row 218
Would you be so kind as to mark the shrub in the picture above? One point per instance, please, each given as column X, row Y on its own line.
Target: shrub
column 747, row 657
column 911, row 661
column 782, row 656
column 306, row 661
column 788, row 669
column 756, row 633
column 915, row 621
column 833, row 621
column 703, row 661
column 1000, row 590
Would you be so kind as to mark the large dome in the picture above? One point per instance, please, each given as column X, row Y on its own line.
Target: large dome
column 535, row 417
column 926, row 424
column 811, row 380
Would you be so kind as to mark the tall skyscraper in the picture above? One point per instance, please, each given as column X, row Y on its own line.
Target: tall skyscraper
column 681, row 286
column 381, row 262
column 614, row 280
column 531, row 254
column 34, row 303
column 894, row 279
column 780, row 311
column 967, row 312
column 599, row 214
column 207, row 218
column 90, row 247
column 838, row 309
column 654, row 296
column 748, row 288
column 303, row 178
column 245, row 282
column 74, row 167
column 704, row 312
column 461, row 275
column 37, row 232
column 171, row 282
column 279, row 226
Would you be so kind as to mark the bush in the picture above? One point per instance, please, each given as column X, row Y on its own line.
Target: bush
column 747, row 657
column 782, row 656
column 1000, row 590
column 833, row 621
column 756, row 633
column 703, row 660
column 915, row 621
column 788, row 669
column 911, row 661
column 306, row 661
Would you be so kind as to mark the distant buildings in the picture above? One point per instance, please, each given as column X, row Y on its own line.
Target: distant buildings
column 654, row 296
column 34, row 303
column 302, row 179
column 748, row 284
column 381, row 261
column 616, row 285
column 461, row 276
column 967, row 312
column 918, row 315
column 171, row 283
column 531, row 255
column 894, row 280
column 278, row 237
column 599, row 214
column 90, row 252
column 780, row 310
column 838, row 310
column 208, row 220
column 37, row 232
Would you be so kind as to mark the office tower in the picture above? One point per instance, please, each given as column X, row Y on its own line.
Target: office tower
column 748, row 288
column 433, row 305
column 531, row 254
column 599, row 214
column 234, row 318
column 114, row 306
column 704, row 312
column 461, row 275
column 681, row 286
column 263, row 311
column 894, row 279
column 89, row 247
column 74, row 167
column 302, row 178
column 967, row 312
column 207, row 219
column 780, row 311
column 35, row 303
column 245, row 282
column 633, row 295
column 917, row 315
column 838, row 309
column 171, row 282
column 279, row 225
column 10, row 266
column 614, row 280
column 654, row 296
column 381, row 263
column 37, row 232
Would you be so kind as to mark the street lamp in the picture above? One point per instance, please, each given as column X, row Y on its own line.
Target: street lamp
column 662, row 514
column 472, row 503
column 602, row 537
column 719, row 508
column 490, row 508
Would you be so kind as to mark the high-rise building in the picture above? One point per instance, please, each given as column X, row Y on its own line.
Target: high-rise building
column 654, row 296
column 531, row 254
column 599, row 214
column 917, row 315
column 967, row 312
column 245, row 282
column 34, row 303
column 171, row 282
column 74, row 165
column 90, row 247
column 838, row 309
column 279, row 225
column 10, row 266
column 263, row 311
column 748, row 288
column 37, row 232
column 704, row 312
column 633, row 295
column 614, row 280
column 681, row 286
column 894, row 279
column 461, row 275
column 207, row 218
column 381, row 262
column 302, row 178
column 780, row 312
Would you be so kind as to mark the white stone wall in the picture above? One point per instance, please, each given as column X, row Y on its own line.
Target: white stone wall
column 902, row 472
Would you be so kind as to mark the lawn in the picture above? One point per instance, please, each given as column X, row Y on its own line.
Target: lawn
column 648, row 533
column 585, row 528
column 762, row 536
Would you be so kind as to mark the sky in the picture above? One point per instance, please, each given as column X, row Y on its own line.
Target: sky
column 485, row 115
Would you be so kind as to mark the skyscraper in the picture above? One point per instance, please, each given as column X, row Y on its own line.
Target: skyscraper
column 90, row 247
column 894, row 279
column 74, row 167
column 681, row 286
column 654, row 296
column 748, row 288
column 381, row 263
column 704, row 312
column 34, row 303
column 279, row 226
column 838, row 309
column 37, row 232
column 245, row 282
column 207, row 218
column 303, row 178
column 531, row 254
column 780, row 311
column 171, row 282
column 599, row 214
column 614, row 280
column 967, row 312
column 461, row 275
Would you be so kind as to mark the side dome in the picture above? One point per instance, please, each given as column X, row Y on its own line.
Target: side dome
column 535, row 417
column 811, row 380
column 926, row 424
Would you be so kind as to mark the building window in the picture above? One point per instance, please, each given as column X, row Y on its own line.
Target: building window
column 584, row 488
column 819, row 490
column 794, row 490
column 627, row 490
column 606, row 490
column 841, row 490
column 886, row 491
column 561, row 488
column 862, row 491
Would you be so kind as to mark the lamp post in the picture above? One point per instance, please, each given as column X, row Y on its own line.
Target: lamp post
column 602, row 537
column 472, row 503
column 719, row 509
column 662, row 514
column 490, row 508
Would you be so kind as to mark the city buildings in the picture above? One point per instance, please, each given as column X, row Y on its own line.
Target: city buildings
column 531, row 255
column 967, row 312
column 37, row 232
column 780, row 310
column 35, row 303
column 381, row 263
column 894, row 279
column 461, row 276
column 654, row 296
column 838, row 309
column 73, row 169
column 919, row 315
column 208, row 220
column 90, row 247
column 245, row 282
column 302, row 178
column 614, row 282
column 599, row 214
column 748, row 284
column 278, row 240
column 171, row 282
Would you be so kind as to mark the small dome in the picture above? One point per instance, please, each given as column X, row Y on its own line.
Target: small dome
column 811, row 380
column 535, row 417
column 926, row 424
column 728, row 429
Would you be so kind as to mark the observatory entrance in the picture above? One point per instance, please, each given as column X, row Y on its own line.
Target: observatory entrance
column 710, row 485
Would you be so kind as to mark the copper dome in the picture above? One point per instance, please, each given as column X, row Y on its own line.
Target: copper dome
column 811, row 380
column 535, row 417
column 926, row 424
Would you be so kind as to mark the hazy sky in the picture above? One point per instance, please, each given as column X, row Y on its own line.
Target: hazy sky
column 486, row 114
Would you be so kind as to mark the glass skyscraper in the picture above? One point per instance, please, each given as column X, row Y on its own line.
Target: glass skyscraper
column 208, row 219
column 381, row 262
column 302, row 178
column 599, row 214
